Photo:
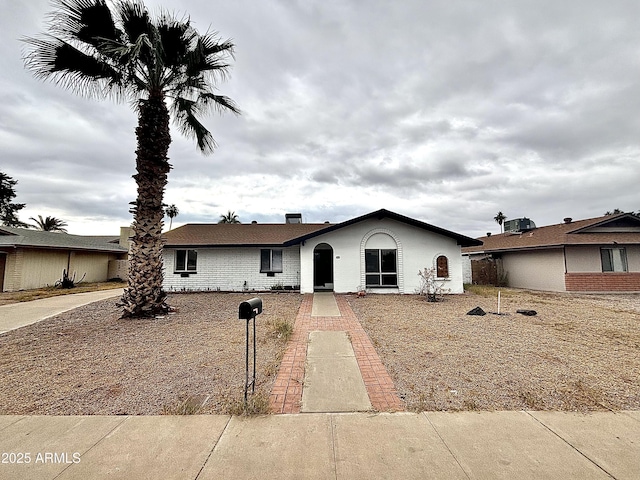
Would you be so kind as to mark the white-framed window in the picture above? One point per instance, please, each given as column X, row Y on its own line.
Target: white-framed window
column 270, row 260
column 186, row 261
column 614, row 259
column 381, row 267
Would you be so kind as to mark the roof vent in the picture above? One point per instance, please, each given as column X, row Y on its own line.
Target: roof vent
column 293, row 218
column 254, row 222
column 567, row 220
column 488, row 234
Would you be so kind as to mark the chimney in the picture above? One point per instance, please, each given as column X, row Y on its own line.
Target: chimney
column 293, row 218
column 125, row 237
column 567, row 220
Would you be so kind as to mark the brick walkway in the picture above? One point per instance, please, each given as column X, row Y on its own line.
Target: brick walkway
column 286, row 395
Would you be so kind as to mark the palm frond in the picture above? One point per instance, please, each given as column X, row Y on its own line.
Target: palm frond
column 185, row 112
column 220, row 103
column 135, row 19
column 84, row 20
column 70, row 67
column 209, row 56
column 175, row 37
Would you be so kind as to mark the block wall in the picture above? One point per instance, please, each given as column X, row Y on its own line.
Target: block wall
column 602, row 282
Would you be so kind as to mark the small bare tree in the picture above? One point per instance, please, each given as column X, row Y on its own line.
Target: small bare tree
column 432, row 288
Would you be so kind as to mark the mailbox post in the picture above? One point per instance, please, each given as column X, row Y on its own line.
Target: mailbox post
column 248, row 310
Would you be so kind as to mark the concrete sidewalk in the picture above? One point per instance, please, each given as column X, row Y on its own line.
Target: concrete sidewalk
column 16, row 315
column 488, row 445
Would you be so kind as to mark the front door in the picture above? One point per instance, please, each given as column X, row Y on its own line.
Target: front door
column 323, row 267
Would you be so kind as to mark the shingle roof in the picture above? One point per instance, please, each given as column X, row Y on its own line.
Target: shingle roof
column 22, row 237
column 592, row 231
column 237, row 234
column 271, row 234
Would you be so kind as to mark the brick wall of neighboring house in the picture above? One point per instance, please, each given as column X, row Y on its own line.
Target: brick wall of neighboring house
column 602, row 282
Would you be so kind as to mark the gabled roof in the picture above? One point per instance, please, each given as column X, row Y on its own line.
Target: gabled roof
column 24, row 237
column 623, row 228
column 281, row 234
column 237, row 234
column 383, row 213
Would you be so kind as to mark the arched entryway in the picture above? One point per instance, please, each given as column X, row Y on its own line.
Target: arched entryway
column 323, row 267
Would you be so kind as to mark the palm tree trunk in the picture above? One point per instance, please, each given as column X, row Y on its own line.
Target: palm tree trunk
column 144, row 295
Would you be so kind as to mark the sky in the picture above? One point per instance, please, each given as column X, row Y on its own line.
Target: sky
column 444, row 111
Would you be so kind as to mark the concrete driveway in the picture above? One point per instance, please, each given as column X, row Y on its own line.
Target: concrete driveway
column 18, row 315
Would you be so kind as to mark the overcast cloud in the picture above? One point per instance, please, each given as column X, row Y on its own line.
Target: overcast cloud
column 443, row 111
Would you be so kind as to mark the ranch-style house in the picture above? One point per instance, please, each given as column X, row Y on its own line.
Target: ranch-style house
column 380, row 252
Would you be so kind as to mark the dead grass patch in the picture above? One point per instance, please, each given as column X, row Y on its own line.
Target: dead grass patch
column 580, row 352
column 7, row 298
column 90, row 362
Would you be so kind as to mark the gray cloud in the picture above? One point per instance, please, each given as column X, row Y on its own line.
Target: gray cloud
column 445, row 111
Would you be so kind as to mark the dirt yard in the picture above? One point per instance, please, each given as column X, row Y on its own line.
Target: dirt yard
column 89, row 362
column 578, row 353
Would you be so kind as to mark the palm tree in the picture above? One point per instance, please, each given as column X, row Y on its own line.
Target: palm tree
column 615, row 212
column 117, row 49
column 49, row 224
column 500, row 218
column 230, row 217
column 171, row 211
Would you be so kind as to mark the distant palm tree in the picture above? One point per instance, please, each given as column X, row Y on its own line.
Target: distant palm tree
column 49, row 224
column 230, row 217
column 164, row 68
column 171, row 211
column 500, row 218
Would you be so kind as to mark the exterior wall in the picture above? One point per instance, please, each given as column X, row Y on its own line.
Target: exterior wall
column 584, row 271
column 231, row 269
column 416, row 249
column 466, row 269
column 118, row 269
column 42, row 268
column 583, row 259
column 94, row 266
column 633, row 257
column 35, row 268
column 536, row 270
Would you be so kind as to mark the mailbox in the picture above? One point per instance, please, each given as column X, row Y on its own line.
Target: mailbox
column 247, row 311
column 250, row 308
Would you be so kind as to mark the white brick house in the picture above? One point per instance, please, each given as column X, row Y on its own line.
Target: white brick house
column 381, row 252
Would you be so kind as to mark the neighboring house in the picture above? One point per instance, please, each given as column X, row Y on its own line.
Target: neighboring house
column 380, row 252
column 595, row 255
column 34, row 259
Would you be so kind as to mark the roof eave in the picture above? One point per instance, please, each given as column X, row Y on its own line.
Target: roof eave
column 224, row 245
column 461, row 240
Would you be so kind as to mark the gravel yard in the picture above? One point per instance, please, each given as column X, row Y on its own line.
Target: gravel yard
column 89, row 362
column 578, row 353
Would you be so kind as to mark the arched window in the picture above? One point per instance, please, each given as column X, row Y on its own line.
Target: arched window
column 381, row 261
column 442, row 266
